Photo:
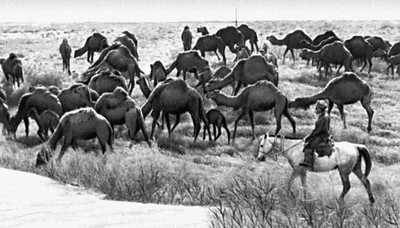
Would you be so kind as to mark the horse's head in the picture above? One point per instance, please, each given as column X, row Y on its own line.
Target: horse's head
column 267, row 147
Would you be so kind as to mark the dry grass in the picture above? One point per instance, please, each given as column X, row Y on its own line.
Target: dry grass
column 242, row 191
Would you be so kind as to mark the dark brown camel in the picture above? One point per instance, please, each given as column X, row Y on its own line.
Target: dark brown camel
column 158, row 73
column 46, row 121
column 291, row 41
column 65, row 51
column 323, row 36
column 175, row 97
column 261, row 96
column 12, row 69
column 94, row 43
column 378, row 43
column 107, row 81
column 361, row 50
column 246, row 72
column 83, row 123
column 203, row 30
column 343, row 90
column 119, row 109
column 118, row 58
column 41, row 100
column 321, row 44
column 334, row 53
column 394, row 50
column 250, row 35
column 191, row 61
column 231, row 36
column 217, row 120
column 211, row 43
column 132, row 37
column 129, row 43
column 76, row 96
column 5, row 117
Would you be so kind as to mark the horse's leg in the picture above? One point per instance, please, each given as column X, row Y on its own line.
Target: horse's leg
column 251, row 116
column 236, row 123
column 344, row 175
column 365, row 102
column 364, row 180
column 342, row 115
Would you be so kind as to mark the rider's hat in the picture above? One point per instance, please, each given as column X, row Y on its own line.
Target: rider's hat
column 321, row 105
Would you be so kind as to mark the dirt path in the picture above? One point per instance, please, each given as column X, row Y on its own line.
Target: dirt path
column 30, row 200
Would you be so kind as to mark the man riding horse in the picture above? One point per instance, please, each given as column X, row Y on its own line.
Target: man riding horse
column 320, row 136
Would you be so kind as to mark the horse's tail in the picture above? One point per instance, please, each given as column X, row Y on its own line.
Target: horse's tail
column 367, row 159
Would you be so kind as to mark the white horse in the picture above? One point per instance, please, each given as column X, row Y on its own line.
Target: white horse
column 346, row 158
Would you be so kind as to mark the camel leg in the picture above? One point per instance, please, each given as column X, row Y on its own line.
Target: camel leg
column 67, row 142
column 219, row 132
column 303, row 178
column 204, row 131
column 184, row 75
column 236, row 123
column 340, row 67
column 346, row 184
column 369, row 65
column 177, row 121
column 364, row 180
column 26, row 122
column 239, row 84
column 330, row 106
column 196, row 124
column 342, row 115
column 215, row 132
column 294, row 59
column 278, row 118
column 364, row 65
column 365, row 102
column 292, row 177
column 165, row 115
column 215, row 51
column 251, row 116
column 153, row 125
column 284, row 55
column 142, row 126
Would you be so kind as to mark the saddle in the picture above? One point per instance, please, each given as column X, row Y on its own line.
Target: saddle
column 325, row 148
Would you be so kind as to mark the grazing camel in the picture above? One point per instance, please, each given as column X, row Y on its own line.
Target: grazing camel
column 76, row 96
column 378, row 43
column 41, row 100
column 343, row 90
column 118, row 108
column 360, row 49
column 65, row 51
column 319, row 38
column 83, row 123
column 211, row 43
column 46, row 121
column 94, row 43
column 217, row 119
column 260, row 96
column 190, row 61
column 4, row 116
column 394, row 50
column 291, row 41
column 231, row 36
column 334, row 53
column 12, row 69
column 346, row 158
column 203, row 30
column 118, row 58
column 250, row 35
column 107, row 81
column 392, row 61
column 174, row 96
column 246, row 72
column 158, row 73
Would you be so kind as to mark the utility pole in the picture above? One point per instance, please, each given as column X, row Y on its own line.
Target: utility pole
column 236, row 17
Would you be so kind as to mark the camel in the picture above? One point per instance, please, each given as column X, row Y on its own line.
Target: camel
column 65, row 51
column 217, row 119
column 118, row 108
column 4, row 116
column 83, row 123
column 211, row 43
column 246, row 72
column 392, row 61
column 94, row 43
column 334, row 53
column 346, row 158
column 360, row 49
column 291, row 41
column 107, row 81
column 394, row 50
column 343, row 90
column 131, row 36
column 203, row 30
column 175, row 97
column 321, row 44
column 158, row 72
column 12, row 69
column 189, row 61
column 378, row 43
column 41, row 100
column 144, row 86
column 231, row 37
column 242, row 53
column 46, row 121
column 75, row 97
column 118, row 58
column 260, row 96
column 250, row 35
column 129, row 43
column 323, row 36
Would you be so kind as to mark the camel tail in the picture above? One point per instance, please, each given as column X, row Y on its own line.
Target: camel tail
column 367, row 159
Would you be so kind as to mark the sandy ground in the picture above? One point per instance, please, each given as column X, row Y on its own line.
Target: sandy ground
column 29, row 200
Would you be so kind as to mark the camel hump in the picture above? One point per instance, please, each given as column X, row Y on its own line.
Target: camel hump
column 80, row 116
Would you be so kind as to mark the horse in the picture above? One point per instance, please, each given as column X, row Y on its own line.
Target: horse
column 346, row 158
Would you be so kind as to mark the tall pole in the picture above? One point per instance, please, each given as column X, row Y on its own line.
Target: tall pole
column 236, row 17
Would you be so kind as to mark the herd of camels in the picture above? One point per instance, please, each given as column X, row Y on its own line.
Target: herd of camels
column 100, row 100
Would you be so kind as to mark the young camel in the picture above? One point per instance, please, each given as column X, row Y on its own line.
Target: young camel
column 261, row 96
column 46, row 121
column 217, row 119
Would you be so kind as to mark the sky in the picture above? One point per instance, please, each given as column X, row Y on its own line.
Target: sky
column 195, row 10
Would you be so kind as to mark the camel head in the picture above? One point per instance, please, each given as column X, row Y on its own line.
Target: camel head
column 382, row 54
column 2, row 60
column 54, row 90
column 120, row 93
column 203, row 30
column 65, row 41
column 158, row 71
column 272, row 39
column 82, row 93
column 301, row 102
column 44, row 156
column 305, row 54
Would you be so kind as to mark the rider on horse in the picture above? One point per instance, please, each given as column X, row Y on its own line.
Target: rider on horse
column 319, row 136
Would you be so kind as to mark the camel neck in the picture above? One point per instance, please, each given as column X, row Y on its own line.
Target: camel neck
column 230, row 101
column 224, row 82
